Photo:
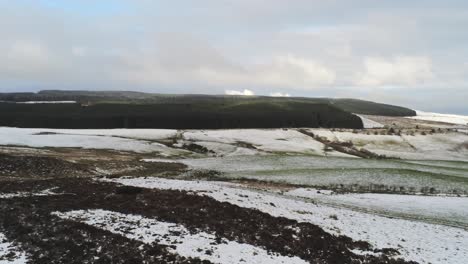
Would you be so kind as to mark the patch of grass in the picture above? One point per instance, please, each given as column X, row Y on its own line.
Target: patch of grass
column 365, row 179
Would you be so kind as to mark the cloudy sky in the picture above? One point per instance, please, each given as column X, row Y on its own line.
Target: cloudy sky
column 411, row 53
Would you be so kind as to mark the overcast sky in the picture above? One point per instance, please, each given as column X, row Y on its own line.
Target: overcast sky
column 411, row 53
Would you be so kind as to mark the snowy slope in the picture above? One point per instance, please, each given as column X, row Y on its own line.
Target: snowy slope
column 9, row 254
column 421, row 242
column 446, row 118
column 439, row 146
column 369, row 123
column 236, row 142
column 181, row 240
column 47, row 102
column 269, row 140
column 88, row 139
column 437, row 208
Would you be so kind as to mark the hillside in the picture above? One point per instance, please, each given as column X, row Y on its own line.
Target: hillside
column 175, row 116
column 349, row 105
column 117, row 109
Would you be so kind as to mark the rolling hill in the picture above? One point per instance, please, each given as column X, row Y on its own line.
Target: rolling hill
column 121, row 109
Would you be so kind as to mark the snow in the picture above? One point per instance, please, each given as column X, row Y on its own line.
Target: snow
column 160, row 160
column 321, row 171
column 6, row 248
column 47, row 192
column 445, row 118
column 363, row 140
column 222, row 142
column 311, row 170
column 370, row 123
column 47, row 102
column 438, row 146
column 236, row 142
column 272, row 140
column 433, row 208
column 23, row 150
column 87, row 139
column 224, row 149
column 185, row 243
column 417, row 241
column 145, row 134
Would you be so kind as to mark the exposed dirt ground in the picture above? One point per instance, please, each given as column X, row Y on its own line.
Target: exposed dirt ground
column 40, row 167
column 58, row 163
column 48, row 239
column 28, row 222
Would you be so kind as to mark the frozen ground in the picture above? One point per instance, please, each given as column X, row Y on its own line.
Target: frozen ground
column 438, row 146
column 238, row 142
column 396, row 175
column 89, row 139
column 370, row 123
column 269, row 140
column 441, row 209
column 9, row 254
column 185, row 243
column 46, row 192
column 445, row 118
column 418, row 241
column 422, row 228
column 47, row 102
column 305, row 163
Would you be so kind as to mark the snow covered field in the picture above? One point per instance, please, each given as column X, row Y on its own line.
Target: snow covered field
column 418, row 241
column 445, row 118
column 370, row 123
column 440, row 146
column 27, row 194
column 427, row 229
column 236, row 142
column 185, row 243
column 137, row 141
column 451, row 210
column 273, row 140
column 47, row 102
column 282, row 155
column 444, row 177
column 9, row 254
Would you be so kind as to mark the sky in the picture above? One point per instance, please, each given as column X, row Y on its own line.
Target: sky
column 409, row 53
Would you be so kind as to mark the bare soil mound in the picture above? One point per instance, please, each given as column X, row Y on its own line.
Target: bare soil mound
column 39, row 167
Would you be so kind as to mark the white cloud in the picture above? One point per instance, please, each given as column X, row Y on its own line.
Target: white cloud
column 245, row 92
column 295, row 72
column 27, row 50
column 25, row 59
column 279, row 94
column 401, row 70
column 79, row 51
column 306, row 48
column 212, row 69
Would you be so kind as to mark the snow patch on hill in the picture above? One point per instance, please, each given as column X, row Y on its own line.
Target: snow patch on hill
column 47, row 102
column 445, row 118
column 9, row 254
column 432, row 207
column 417, row 241
column 180, row 240
column 439, row 146
column 370, row 123
column 88, row 139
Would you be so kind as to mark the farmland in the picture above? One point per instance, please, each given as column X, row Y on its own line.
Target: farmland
column 290, row 195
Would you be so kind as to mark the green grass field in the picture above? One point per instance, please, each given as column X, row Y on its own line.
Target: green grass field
column 348, row 174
